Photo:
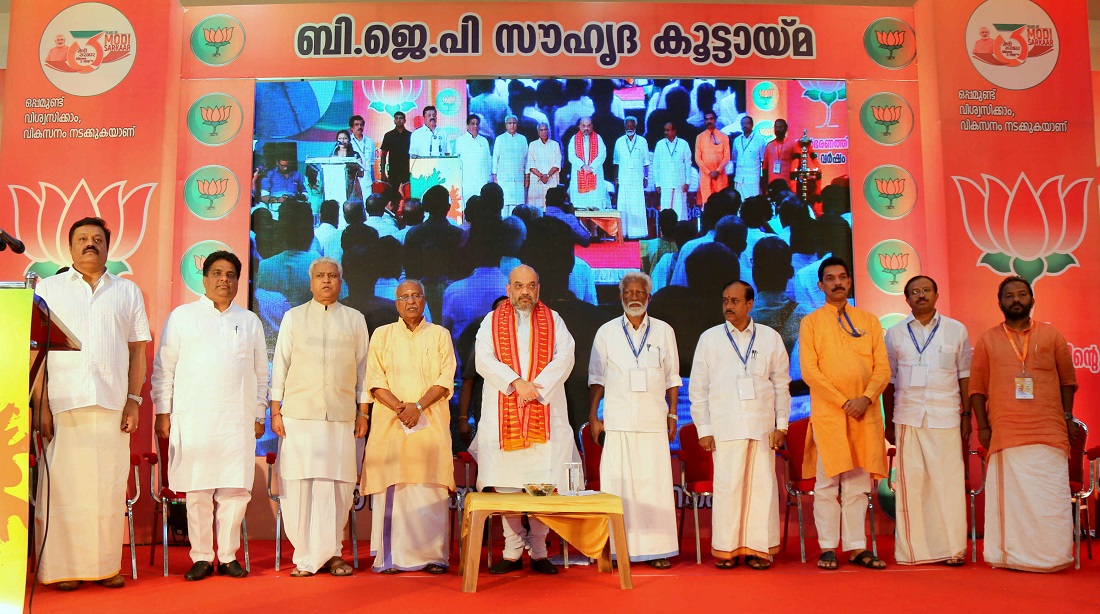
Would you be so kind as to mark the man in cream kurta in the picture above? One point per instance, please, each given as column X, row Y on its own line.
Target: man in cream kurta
column 928, row 417
column 408, row 466
column 587, row 152
column 318, row 407
column 844, row 363
column 635, row 371
column 631, row 155
column 747, row 154
column 536, row 450
column 510, row 165
column 543, row 167
column 93, row 401
column 210, row 391
column 472, row 150
column 740, row 402
column 671, row 168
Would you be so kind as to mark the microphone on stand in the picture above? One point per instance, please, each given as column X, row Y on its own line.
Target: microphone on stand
column 7, row 240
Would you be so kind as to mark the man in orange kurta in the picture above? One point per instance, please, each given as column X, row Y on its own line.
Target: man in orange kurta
column 781, row 155
column 712, row 154
column 1022, row 384
column 844, row 362
column 408, row 465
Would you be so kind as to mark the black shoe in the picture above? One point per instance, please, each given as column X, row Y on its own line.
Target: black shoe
column 543, row 566
column 232, row 569
column 505, row 566
column 198, row 571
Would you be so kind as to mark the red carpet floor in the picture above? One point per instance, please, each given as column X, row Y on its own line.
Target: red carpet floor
column 686, row 587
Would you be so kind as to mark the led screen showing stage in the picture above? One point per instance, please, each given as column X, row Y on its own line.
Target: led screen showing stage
column 313, row 166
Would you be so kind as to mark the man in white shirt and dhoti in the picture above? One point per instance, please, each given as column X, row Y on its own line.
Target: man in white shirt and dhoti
column 587, row 153
column 472, row 150
column 543, row 167
column 92, row 405
column 631, row 155
column 408, row 466
column 510, row 165
column 927, row 407
column 671, row 169
column 525, row 353
column 318, row 408
column 635, row 371
column 740, row 402
column 210, row 393
column 748, row 159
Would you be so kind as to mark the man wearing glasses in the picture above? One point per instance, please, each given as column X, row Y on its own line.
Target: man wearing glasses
column 927, row 409
column 843, row 361
column 408, row 467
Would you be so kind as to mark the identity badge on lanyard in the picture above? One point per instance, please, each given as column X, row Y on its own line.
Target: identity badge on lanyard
column 1025, row 385
column 746, row 391
column 777, row 166
column 638, row 373
column 919, row 378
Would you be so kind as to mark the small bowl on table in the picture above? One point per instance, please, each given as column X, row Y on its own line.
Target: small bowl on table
column 540, row 490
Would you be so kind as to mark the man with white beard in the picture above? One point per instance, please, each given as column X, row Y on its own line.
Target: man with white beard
column 635, row 370
column 509, row 161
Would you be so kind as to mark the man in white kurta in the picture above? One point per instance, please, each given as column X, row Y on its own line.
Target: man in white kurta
column 510, row 165
column 525, row 353
column 427, row 141
column 635, row 371
column 747, row 155
column 741, row 402
column 364, row 146
column 318, row 408
column 210, row 393
column 631, row 155
column 671, row 169
column 93, row 403
column 472, row 150
column 928, row 418
column 408, row 467
column 587, row 152
column 543, row 167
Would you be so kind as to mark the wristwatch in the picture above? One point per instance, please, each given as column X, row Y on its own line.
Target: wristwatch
column 1069, row 416
column 260, row 421
column 135, row 398
column 419, row 408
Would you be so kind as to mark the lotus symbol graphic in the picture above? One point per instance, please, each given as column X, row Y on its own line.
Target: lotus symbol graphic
column 827, row 93
column 890, row 40
column 212, row 189
column 894, row 264
column 392, row 96
column 890, row 189
column 215, row 116
column 43, row 217
column 217, row 38
column 886, row 117
column 1023, row 229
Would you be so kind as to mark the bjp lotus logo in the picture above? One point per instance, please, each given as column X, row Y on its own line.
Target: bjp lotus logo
column 217, row 40
column 211, row 192
column 389, row 97
column 894, row 264
column 890, row 189
column 42, row 221
column 888, row 261
column 215, row 118
column 212, row 189
column 886, row 118
column 1025, row 230
column 889, row 42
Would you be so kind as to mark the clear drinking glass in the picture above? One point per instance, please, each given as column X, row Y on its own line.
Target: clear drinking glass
column 575, row 478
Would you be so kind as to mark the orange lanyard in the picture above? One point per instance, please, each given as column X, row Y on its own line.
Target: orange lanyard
column 1011, row 339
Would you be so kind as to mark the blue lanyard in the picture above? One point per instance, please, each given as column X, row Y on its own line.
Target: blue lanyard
column 745, row 142
column 927, row 342
column 851, row 330
column 637, row 351
column 748, row 351
column 631, row 143
column 671, row 149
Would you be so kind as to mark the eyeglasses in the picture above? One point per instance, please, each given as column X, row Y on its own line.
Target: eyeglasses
column 915, row 292
column 409, row 297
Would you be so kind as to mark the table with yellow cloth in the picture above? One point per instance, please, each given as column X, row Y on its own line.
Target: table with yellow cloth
column 586, row 522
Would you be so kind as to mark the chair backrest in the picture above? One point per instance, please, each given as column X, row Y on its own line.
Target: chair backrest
column 698, row 463
column 591, row 453
column 796, row 448
column 162, row 467
column 462, row 459
column 1077, row 460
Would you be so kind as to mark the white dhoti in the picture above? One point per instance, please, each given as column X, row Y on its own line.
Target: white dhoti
column 536, row 194
column 85, row 495
column 631, row 205
column 638, row 468
column 317, row 471
column 675, row 198
column 745, row 517
column 1028, row 514
column 513, row 194
column 931, row 496
column 840, row 508
column 203, row 522
column 410, row 526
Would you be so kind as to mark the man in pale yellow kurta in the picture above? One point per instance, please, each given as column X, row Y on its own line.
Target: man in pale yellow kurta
column 408, row 467
column 844, row 362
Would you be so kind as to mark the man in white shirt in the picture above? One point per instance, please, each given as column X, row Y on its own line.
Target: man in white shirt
column 210, row 379
column 509, row 164
column 741, row 401
column 631, row 155
column 671, row 169
column 525, row 353
column 364, row 146
column 635, row 371
column 92, row 405
column 587, row 152
column 318, row 408
column 473, row 150
column 543, row 167
column 927, row 408
column 748, row 159
column 426, row 140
